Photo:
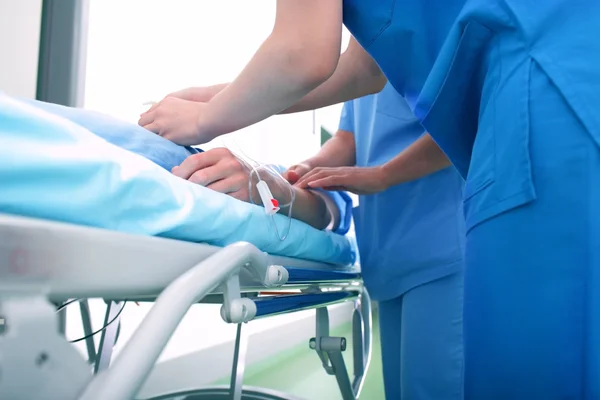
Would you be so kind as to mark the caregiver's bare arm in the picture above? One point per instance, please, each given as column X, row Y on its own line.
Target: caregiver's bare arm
column 422, row 158
column 301, row 52
column 356, row 75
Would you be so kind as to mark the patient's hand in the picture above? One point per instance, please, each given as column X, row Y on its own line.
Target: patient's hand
column 219, row 170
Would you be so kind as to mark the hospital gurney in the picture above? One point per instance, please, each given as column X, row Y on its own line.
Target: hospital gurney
column 44, row 263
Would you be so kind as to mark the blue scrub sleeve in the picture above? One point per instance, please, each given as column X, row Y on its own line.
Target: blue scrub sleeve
column 347, row 117
column 344, row 205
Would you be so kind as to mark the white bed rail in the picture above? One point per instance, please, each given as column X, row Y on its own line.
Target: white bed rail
column 36, row 361
column 128, row 372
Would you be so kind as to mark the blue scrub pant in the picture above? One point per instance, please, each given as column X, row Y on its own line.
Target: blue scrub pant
column 532, row 280
column 421, row 342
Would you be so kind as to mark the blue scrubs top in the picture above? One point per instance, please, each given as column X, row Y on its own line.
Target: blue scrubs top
column 485, row 78
column 412, row 233
column 462, row 64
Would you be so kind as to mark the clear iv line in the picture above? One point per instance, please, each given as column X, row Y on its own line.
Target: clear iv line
column 252, row 165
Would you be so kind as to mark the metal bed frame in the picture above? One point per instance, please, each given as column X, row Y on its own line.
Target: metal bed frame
column 46, row 263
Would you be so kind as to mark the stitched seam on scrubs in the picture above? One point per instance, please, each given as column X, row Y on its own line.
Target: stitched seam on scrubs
column 481, row 210
column 384, row 27
column 431, row 105
column 405, row 119
column 478, row 189
column 535, row 56
column 588, row 122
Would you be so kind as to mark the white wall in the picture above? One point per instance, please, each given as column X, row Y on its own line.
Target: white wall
column 19, row 46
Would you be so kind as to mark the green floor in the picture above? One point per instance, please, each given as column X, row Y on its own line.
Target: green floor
column 298, row 371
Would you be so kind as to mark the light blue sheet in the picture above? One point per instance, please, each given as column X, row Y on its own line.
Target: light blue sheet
column 157, row 149
column 131, row 137
column 54, row 169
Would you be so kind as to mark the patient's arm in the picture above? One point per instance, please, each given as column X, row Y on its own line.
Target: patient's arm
column 220, row 170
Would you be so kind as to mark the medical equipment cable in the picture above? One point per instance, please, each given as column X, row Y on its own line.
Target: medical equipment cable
column 103, row 328
column 64, row 305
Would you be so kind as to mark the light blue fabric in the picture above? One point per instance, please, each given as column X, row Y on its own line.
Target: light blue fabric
column 161, row 151
column 412, row 233
column 344, row 204
column 54, row 169
column 421, row 341
column 127, row 136
column 486, row 78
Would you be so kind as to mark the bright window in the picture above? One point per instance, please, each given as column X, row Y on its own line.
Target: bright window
column 140, row 50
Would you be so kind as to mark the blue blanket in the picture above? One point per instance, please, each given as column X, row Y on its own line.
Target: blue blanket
column 54, row 167
column 155, row 148
column 125, row 135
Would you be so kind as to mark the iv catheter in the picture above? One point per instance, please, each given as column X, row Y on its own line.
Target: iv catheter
column 271, row 204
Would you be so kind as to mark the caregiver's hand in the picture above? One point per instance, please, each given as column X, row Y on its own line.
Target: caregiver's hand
column 359, row 180
column 180, row 121
column 295, row 172
column 219, row 170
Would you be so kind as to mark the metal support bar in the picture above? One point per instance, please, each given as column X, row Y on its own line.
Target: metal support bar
column 357, row 348
column 86, row 321
column 322, row 331
column 128, row 372
column 62, row 322
column 329, row 349
column 239, row 364
column 363, row 311
column 109, row 335
column 341, row 374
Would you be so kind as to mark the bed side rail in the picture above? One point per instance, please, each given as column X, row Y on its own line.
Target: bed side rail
column 128, row 372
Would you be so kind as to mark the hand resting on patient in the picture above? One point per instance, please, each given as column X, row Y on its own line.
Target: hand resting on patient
column 217, row 169
column 220, row 170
